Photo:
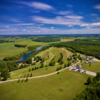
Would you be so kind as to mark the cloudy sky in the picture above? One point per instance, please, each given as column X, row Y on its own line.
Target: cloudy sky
column 49, row 17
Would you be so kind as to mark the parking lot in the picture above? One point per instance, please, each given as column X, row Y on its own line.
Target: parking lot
column 82, row 71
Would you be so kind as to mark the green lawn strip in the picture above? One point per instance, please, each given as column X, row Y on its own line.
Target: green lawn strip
column 38, row 72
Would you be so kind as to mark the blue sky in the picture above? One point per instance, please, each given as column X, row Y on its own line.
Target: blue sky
column 49, row 17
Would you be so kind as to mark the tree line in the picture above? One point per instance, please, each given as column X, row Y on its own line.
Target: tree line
column 46, row 39
column 5, row 41
column 20, row 45
column 85, row 47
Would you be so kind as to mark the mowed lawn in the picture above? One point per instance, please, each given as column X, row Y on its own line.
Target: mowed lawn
column 95, row 67
column 62, row 86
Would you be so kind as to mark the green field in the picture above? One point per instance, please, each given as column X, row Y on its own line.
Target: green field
column 95, row 67
column 62, row 86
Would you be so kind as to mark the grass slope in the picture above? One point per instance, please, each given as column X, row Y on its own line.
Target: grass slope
column 62, row 86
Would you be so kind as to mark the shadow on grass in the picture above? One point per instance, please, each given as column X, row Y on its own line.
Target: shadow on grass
column 86, row 84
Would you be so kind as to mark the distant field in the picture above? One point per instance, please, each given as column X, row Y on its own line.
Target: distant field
column 62, row 86
column 8, row 49
column 71, row 39
column 95, row 67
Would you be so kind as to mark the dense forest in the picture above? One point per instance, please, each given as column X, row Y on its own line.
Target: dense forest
column 46, row 39
column 92, row 91
column 87, row 47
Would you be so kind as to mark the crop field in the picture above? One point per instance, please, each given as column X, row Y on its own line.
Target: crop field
column 62, row 86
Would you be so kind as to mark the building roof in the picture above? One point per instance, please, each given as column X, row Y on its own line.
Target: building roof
column 78, row 66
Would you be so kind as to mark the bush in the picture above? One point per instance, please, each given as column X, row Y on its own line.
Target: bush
column 32, row 69
column 26, row 80
column 29, row 70
column 31, row 75
column 18, row 81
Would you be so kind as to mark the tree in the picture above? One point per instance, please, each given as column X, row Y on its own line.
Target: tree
column 31, row 75
column 32, row 69
column 65, row 65
column 18, row 81
column 29, row 70
column 26, row 79
column 89, row 81
column 5, row 73
column 0, row 76
column 89, row 64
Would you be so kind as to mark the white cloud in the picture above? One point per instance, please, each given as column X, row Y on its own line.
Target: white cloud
column 64, row 12
column 97, row 6
column 75, row 17
column 52, row 27
column 7, row 26
column 49, row 31
column 14, row 20
column 59, row 20
column 70, row 6
column 65, row 20
column 91, row 24
column 25, row 24
column 37, row 5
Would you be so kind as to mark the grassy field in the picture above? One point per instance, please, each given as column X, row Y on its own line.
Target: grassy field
column 49, row 55
column 95, row 67
column 62, row 86
column 53, row 51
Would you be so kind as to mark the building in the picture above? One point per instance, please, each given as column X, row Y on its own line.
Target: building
column 91, row 57
column 84, row 57
column 87, row 59
column 78, row 66
column 91, row 61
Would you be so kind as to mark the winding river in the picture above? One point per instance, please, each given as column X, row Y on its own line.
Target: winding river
column 26, row 56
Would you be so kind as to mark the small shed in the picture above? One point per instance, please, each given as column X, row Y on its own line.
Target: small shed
column 78, row 66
